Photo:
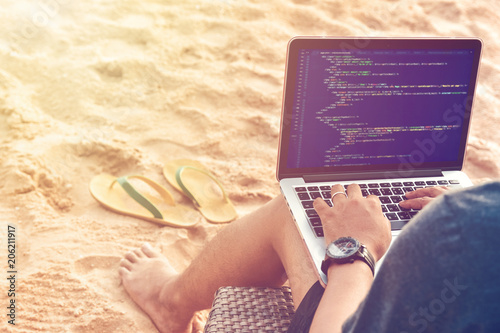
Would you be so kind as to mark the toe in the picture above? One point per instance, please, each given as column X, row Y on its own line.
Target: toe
column 123, row 271
column 126, row 264
column 131, row 256
column 148, row 250
column 139, row 254
column 198, row 323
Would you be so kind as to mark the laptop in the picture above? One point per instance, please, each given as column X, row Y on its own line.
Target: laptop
column 391, row 115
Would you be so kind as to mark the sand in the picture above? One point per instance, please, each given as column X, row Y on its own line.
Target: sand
column 124, row 86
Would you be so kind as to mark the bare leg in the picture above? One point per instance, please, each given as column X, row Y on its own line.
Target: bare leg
column 261, row 249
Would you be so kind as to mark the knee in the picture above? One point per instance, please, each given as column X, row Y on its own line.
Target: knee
column 280, row 202
column 282, row 209
column 281, row 217
column 278, row 205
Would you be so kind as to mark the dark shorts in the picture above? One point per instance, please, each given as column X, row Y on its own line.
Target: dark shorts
column 304, row 315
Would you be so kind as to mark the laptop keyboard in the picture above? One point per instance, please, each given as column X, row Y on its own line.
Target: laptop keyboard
column 389, row 193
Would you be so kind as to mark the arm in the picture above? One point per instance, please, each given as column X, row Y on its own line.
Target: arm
column 348, row 284
column 362, row 219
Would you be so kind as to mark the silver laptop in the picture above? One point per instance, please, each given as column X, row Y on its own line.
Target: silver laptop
column 389, row 114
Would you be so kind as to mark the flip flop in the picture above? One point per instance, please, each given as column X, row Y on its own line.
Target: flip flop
column 170, row 170
column 116, row 194
column 206, row 192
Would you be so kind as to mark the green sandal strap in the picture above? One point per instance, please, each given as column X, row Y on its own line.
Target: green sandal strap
column 139, row 198
column 187, row 192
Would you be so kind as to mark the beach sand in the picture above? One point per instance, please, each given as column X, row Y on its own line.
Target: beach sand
column 124, row 86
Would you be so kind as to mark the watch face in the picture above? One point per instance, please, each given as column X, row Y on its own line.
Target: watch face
column 343, row 247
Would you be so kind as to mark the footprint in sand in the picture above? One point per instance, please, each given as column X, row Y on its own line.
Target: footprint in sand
column 113, row 322
column 101, row 274
column 111, row 70
column 88, row 264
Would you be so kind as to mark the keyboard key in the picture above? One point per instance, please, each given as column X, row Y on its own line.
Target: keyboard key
column 420, row 183
column 307, row 204
column 391, row 216
column 404, row 215
column 311, row 213
column 454, row 182
column 393, row 208
column 384, row 209
column 398, row 191
column 315, row 222
column 408, row 184
column 407, row 189
column 374, row 192
column 364, row 193
column 397, row 225
column 303, row 196
column 396, row 198
column 431, row 182
column 315, row 195
column 386, row 191
column 442, row 182
column 385, row 184
column 313, row 188
column 397, row 184
column 325, row 188
column 300, row 189
column 385, row 200
column 329, row 203
column 373, row 185
column 319, row 232
column 326, row 194
column 363, row 186
column 413, row 213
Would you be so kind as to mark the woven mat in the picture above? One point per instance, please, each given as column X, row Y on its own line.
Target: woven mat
column 250, row 309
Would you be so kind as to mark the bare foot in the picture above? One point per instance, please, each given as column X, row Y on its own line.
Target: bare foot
column 148, row 278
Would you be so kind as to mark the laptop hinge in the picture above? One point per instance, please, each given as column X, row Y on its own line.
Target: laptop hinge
column 372, row 175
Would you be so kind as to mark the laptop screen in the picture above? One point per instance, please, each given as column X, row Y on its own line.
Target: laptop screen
column 376, row 104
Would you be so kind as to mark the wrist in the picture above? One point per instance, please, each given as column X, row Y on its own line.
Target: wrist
column 346, row 251
column 357, row 267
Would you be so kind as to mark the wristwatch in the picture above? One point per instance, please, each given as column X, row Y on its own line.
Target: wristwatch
column 346, row 250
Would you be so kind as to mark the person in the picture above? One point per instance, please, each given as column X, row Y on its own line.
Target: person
column 441, row 275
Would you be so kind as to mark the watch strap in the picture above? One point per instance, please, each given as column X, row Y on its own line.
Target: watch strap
column 362, row 254
column 367, row 257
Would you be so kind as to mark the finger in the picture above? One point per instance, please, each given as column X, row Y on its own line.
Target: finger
column 354, row 191
column 374, row 198
column 417, row 203
column 337, row 197
column 426, row 192
column 320, row 206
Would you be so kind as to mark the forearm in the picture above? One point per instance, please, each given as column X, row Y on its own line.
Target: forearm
column 347, row 286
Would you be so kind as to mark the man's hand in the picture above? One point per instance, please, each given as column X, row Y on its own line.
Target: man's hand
column 357, row 217
column 419, row 198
